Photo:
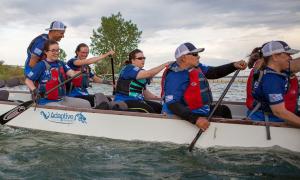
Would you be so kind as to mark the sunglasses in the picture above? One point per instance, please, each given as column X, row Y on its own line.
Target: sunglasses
column 141, row 58
column 194, row 54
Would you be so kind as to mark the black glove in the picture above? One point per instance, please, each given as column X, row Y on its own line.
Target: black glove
column 35, row 96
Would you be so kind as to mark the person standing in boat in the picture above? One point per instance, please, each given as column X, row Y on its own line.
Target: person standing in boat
column 185, row 89
column 132, row 82
column 271, row 85
column 35, row 51
column 290, row 98
column 79, row 85
column 50, row 72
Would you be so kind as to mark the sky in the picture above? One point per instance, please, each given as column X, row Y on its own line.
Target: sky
column 227, row 29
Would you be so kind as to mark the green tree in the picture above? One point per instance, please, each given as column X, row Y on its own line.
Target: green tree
column 62, row 55
column 115, row 34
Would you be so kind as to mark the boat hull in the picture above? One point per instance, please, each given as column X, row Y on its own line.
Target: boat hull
column 156, row 128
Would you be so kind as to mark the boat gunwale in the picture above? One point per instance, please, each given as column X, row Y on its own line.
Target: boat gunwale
column 161, row 116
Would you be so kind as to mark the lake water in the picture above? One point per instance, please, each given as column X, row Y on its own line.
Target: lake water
column 27, row 154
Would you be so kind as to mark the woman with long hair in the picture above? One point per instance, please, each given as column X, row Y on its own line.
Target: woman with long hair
column 78, row 86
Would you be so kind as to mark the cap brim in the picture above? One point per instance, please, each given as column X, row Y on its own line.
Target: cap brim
column 48, row 29
column 198, row 50
column 292, row 51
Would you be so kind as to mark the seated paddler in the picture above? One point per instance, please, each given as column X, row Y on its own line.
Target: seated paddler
column 185, row 88
column 48, row 74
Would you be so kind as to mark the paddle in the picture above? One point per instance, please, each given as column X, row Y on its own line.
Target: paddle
column 11, row 114
column 113, row 73
column 191, row 146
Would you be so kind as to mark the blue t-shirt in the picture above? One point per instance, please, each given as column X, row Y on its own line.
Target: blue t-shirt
column 36, row 47
column 176, row 83
column 41, row 74
column 129, row 72
column 270, row 91
column 77, row 91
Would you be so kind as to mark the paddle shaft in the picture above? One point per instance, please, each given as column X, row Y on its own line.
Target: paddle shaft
column 113, row 73
column 191, row 146
column 267, row 125
column 11, row 114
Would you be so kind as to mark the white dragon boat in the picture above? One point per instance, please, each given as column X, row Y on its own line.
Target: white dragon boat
column 152, row 127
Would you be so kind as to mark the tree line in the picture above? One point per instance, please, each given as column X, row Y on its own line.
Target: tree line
column 114, row 33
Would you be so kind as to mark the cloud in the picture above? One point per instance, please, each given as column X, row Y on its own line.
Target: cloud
column 157, row 14
column 228, row 29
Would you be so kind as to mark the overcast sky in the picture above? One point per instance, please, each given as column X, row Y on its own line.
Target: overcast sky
column 227, row 29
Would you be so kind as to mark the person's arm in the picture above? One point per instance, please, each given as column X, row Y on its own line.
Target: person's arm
column 150, row 96
column 295, row 65
column 97, row 79
column 143, row 74
column 33, row 90
column 224, row 70
column 183, row 112
column 280, row 111
column 72, row 73
column 36, row 51
column 80, row 62
column 34, row 60
column 30, row 84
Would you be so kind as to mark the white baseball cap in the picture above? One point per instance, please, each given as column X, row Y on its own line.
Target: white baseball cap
column 275, row 47
column 187, row 48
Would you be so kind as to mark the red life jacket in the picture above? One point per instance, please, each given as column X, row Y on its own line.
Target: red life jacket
column 290, row 98
column 192, row 94
column 82, row 80
column 196, row 94
column 57, row 75
column 249, row 97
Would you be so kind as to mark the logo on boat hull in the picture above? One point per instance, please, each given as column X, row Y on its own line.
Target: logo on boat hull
column 64, row 118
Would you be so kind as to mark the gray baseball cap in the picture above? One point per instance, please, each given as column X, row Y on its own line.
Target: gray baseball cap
column 275, row 47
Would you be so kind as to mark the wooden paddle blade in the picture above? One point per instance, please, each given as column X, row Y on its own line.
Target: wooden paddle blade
column 6, row 117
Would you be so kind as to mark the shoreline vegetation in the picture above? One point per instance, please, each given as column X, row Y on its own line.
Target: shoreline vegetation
column 11, row 75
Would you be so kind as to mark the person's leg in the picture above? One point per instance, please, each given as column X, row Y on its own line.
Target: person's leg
column 139, row 106
column 156, row 106
column 75, row 102
column 118, row 106
column 101, row 101
column 99, row 98
column 222, row 111
column 4, row 94
column 90, row 98
column 58, row 104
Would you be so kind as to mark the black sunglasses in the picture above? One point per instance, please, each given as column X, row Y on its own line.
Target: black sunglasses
column 140, row 58
column 194, row 54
